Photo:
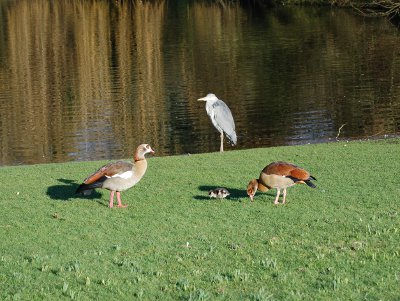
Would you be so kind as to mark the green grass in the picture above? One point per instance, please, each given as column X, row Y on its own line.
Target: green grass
column 339, row 241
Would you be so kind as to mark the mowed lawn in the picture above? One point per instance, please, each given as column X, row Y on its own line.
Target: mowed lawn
column 340, row 241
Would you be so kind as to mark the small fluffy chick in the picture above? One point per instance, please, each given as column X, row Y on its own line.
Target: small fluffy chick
column 219, row 193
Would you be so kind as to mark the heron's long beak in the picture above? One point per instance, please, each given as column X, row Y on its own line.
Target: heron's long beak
column 202, row 99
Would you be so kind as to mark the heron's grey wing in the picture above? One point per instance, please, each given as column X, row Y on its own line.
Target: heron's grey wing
column 223, row 117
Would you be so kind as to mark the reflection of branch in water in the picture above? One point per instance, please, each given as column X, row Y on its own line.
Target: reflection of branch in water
column 222, row 3
column 337, row 136
column 379, row 8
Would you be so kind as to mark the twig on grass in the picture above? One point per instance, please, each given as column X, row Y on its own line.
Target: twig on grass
column 337, row 136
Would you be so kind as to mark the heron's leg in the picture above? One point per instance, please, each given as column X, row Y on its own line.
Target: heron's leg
column 278, row 192
column 111, row 199
column 119, row 200
column 221, row 149
column 284, row 196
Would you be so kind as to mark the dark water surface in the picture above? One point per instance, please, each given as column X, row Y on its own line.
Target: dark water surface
column 88, row 80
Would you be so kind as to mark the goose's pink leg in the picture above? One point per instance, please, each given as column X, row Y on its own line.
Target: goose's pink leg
column 119, row 200
column 284, row 196
column 111, row 199
column 278, row 192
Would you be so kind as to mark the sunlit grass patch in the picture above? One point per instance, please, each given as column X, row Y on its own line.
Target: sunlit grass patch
column 338, row 241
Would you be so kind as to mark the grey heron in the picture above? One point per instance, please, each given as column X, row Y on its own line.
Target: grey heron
column 221, row 117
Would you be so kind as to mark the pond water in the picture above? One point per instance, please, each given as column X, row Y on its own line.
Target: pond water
column 89, row 80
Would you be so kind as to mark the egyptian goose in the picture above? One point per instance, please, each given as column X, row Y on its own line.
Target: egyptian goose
column 279, row 175
column 221, row 117
column 118, row 176
column 219, row 193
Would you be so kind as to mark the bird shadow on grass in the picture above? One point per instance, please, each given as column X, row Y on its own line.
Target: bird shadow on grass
column 67, row 191
column 235, row 194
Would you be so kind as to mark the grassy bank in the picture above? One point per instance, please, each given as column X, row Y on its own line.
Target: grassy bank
column 339, row 241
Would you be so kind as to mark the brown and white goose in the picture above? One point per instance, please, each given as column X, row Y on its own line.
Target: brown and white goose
column 279, row 175
column 118, row 176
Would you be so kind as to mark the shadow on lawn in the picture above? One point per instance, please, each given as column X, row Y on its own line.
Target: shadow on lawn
column 66, row 192
column 235, row 194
